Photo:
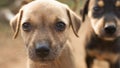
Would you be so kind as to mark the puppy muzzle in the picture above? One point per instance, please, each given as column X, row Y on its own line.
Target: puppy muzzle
column 42, row 50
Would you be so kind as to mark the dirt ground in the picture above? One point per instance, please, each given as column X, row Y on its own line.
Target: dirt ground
column 13, row 52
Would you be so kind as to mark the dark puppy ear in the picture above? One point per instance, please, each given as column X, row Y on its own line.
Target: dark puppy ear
column 15, row 23
column 75, row 21
column 85, row 10
column 26, row 1
column 81, row 12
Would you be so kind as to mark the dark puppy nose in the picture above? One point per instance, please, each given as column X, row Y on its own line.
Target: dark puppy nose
column 110, row 29
column 42, row 50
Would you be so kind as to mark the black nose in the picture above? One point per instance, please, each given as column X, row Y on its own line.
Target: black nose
column 42, row 50
column 110, row 29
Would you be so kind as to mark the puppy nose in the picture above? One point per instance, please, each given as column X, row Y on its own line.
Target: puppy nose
column 110, row 29
column 42, row 50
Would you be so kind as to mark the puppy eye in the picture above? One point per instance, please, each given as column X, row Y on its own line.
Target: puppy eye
column 26, row 26
column 60, row 26
column 96, row 9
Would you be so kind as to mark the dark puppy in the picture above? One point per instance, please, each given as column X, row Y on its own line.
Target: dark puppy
column 103, row 40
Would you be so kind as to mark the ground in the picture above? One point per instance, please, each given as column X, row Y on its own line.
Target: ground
column 12, row 52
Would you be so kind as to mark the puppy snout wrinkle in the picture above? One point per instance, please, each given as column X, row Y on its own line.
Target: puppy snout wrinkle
column 42, row 50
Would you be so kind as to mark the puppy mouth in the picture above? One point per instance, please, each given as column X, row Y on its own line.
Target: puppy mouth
column 107, row 37
column 45, row 59
column 51, row 57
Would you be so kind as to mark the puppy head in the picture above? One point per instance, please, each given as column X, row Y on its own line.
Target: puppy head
column 104, row 17
column 45, row 27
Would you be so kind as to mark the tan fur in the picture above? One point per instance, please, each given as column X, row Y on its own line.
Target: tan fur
column 103, row 55
column 42, row 15
column 117, row 4
column 101, row 3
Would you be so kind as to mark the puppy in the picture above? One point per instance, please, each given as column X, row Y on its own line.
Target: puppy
column 102, row 35
column 46, row 27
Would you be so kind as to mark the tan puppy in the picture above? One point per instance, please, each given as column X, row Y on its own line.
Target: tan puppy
column 46, row 27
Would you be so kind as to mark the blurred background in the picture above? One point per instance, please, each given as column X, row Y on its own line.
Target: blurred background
column 13, row 52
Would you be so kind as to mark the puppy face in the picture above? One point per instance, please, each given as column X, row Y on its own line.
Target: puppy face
column 104, row 17
column 45, row 27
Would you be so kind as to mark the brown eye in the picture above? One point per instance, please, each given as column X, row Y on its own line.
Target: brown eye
column 97, row 11
column 26, row 26
column 60, row 26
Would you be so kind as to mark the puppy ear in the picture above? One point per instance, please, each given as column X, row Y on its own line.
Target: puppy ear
column 26, row 1
column 15, row 23
column 81, row 12
column 85, row 10
column 75, row 21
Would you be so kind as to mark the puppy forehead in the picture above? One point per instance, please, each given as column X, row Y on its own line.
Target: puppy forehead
column 38, row 11
column 103, row 2
column 43, row 5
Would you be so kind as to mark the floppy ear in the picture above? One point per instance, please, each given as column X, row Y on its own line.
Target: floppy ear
column 26, row 1
column 75, row 21
column 15, row 23
column 85, row 10
column 81, row 12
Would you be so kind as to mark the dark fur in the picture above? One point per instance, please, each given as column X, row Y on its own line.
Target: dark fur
column 96, row 47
